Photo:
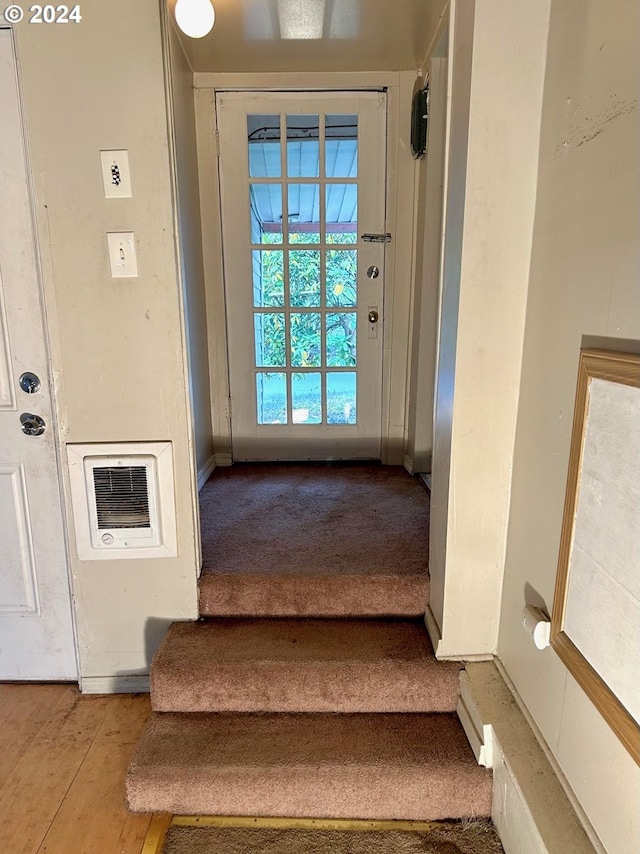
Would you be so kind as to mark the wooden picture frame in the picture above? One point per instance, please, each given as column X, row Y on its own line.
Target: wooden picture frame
column 596, row 612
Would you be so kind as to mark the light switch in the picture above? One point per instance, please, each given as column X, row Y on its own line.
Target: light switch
column 116, row 176
column 122, row 254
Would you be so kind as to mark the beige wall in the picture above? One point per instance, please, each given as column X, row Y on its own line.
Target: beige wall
column 583, row 289
column 189, row 225
column 117, row 345
column 494, row 132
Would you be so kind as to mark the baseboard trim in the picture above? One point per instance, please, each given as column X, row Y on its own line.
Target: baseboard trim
column 479, row 735
column 433, row 630
column 205, row 472
column 551, row 759
column 115, row 684
column 530, row 807
column 426, row 479
column 223, row 459
column 407, row 462
column 435, row 636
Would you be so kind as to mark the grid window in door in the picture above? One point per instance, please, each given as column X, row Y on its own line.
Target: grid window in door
column 303, row 198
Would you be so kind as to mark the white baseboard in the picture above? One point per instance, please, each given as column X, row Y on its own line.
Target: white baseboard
column 205, row 472
column 435, row 636
column 479, row 735
column 407, row 462
column 511, row 815
column 115, row 684
column 224, row 459
column 433, row 629
column 551, row 759
column 426, row 479
column 531, row 808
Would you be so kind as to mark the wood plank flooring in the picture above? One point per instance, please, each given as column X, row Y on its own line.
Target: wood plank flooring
column 63, row 759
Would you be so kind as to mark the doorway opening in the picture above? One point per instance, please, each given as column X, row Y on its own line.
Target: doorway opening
column 303, row 204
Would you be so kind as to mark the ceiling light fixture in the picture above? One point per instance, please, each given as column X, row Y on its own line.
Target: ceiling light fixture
column 195, row 17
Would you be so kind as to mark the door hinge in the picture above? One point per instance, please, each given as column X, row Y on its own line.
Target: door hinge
column 376, row 238
column 217, row 139
column 229, row 408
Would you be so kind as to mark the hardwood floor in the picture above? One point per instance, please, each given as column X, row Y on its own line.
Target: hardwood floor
column 63, row 760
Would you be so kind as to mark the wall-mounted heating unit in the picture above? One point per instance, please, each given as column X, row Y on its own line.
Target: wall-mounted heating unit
column 123, row 500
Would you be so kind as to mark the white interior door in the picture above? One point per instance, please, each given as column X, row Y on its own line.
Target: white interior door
column 36, row 631
column 302, row 180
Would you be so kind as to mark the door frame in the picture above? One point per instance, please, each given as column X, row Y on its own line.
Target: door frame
column 322, row 441
column 400, row 195
column 49, row 328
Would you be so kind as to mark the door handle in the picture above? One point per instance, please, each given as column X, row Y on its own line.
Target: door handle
column 32, row 425
column 373, row 316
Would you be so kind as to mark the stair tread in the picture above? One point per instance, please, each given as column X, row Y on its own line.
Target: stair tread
column 416, row 766
column 301, row 665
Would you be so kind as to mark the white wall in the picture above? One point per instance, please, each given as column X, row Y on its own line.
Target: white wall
column 117, row 345
column 190, row 249
column 489, row 222
column 583, row 291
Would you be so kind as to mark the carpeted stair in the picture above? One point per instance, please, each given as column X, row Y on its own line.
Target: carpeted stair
column 300, row 665
column 273, row 714
column 314, row 540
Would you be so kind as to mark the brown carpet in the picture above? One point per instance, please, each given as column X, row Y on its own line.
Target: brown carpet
column 308, row 665
column 373, row 766
column 477, row 837
column 309, row 717
column 314, row 540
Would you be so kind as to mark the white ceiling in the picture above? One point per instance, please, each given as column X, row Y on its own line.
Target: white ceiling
column 315, row 35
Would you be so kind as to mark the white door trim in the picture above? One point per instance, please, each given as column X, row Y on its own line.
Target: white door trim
column 291, row 439
column 398, row 263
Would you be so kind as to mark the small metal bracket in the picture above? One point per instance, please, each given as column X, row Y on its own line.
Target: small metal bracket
column 376, row 238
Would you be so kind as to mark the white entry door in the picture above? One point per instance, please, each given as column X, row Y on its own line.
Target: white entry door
column 36, row 631
column 303, row 211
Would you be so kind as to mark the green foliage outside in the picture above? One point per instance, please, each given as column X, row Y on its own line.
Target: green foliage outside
column 305, row 293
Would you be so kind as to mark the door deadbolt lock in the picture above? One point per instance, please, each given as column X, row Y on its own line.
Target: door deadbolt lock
column 29, row 382
column 32, row 425
column 373, row 272
column 373, row 316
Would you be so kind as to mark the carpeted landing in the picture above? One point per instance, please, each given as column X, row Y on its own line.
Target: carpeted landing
column 314, row 540
column 307, row 703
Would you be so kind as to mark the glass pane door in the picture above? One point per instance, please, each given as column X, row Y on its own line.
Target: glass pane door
column 300, row 177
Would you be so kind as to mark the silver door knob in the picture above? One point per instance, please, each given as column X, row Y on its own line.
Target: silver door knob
column 32, row 425
column 373, row 316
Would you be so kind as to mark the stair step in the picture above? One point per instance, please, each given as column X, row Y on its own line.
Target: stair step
column 301, row 666
column 379, row 766
column 287, row 594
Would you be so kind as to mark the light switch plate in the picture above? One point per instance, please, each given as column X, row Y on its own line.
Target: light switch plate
column 116, row 175
column 122, row 254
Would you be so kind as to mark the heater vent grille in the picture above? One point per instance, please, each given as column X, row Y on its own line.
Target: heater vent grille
column 122, row 497
column 124, row 504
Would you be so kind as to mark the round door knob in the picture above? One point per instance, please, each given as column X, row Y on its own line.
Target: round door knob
column 373, row 317
column 373, row 272
column 32, row 425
